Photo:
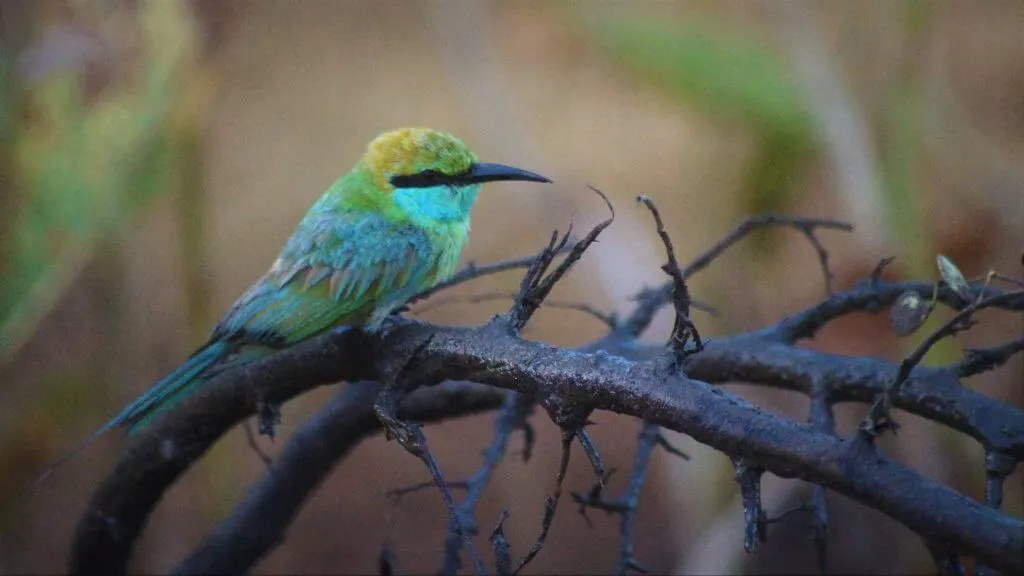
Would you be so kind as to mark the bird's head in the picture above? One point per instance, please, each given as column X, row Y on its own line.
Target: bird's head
column 432, row 176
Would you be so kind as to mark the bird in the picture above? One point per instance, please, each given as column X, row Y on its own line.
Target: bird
column 391, row 227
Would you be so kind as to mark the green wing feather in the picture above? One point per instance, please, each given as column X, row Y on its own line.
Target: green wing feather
column 336, row 269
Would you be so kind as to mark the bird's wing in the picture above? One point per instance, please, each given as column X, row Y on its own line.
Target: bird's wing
column 335, row 269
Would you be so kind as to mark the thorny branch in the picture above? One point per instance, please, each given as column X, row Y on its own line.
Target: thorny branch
column 512, row 417
column 615, row 373
column 651, row 300
column 683, row 328
column 877, row 419
column 627, row 504
column 536, row 286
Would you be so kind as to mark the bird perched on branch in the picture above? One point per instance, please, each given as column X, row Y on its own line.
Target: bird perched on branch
column 391, row 227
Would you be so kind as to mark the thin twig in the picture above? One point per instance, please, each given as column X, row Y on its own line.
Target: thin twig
column 511, row 417
column 499, row 544
column 550, row 502
column 748, row 476
column 683, row 328
column 823, row 418
column 877, row 419
column 590, row 449
column 978, row 360
column 993, row 275
column 402, row 491
column 605, row 318
column 536, row 285
column 250, row 438
column 872, row 296
column 626, row 505
column 650, row 301
column 472, row 272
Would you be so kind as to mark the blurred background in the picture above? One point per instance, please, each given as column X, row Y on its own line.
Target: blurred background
column 155, row 155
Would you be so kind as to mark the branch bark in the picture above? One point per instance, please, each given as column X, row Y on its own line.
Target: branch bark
column 668, row 387
column 495, row 356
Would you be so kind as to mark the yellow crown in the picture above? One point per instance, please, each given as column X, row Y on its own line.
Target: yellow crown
column 408, row 151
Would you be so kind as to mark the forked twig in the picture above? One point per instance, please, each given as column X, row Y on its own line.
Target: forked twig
column 536, row 286
column 649, row 301
column 683, row 328
column 550, row 502
column 877, row 419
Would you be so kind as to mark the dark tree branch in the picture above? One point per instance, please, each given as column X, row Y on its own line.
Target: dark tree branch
column 683, row 329
column 748, row 476
column 978, row 360
column 822, row 418
column 872, row 296
column 536, row 286
column 494, row 356
column 512, row 417
column 550, row 502
column 258, row 522
column 877, row 418
column 614, row 373
column 627, row 504
column 932, row 393
column 499, row 544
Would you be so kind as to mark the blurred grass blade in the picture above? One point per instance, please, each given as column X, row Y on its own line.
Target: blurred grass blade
column 85, row 158
column 726, row 73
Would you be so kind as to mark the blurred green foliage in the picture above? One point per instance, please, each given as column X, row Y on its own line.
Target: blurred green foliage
column 84, row 158
column 726, row 73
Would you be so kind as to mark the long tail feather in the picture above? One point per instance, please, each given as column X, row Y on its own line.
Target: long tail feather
column 160, row 396
column 172, row 388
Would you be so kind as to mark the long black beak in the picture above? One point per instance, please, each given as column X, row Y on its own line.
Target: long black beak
column 486, row 172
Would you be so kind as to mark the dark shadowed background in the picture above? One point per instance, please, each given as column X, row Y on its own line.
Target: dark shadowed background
column 155, row 155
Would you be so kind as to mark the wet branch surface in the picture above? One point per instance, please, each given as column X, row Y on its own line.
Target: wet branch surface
column 453, row 371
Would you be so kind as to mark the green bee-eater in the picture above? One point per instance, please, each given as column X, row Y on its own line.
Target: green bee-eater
column 391, row 227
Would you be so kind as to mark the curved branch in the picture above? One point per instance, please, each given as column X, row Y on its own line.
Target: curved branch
column 930, row 393
column 872, row 296
column 493, row 355
column 258, row 522
column 933, row 393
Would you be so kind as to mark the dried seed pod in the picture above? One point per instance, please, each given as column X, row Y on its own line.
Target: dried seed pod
column 908, row 313
column 953, row 277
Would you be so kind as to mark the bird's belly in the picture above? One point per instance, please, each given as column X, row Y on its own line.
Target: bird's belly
column 443, row 263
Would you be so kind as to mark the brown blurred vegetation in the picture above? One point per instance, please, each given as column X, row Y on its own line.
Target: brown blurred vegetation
column 156, row 154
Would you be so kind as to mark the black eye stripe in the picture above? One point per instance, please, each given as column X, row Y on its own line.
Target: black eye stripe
column 424, row 179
